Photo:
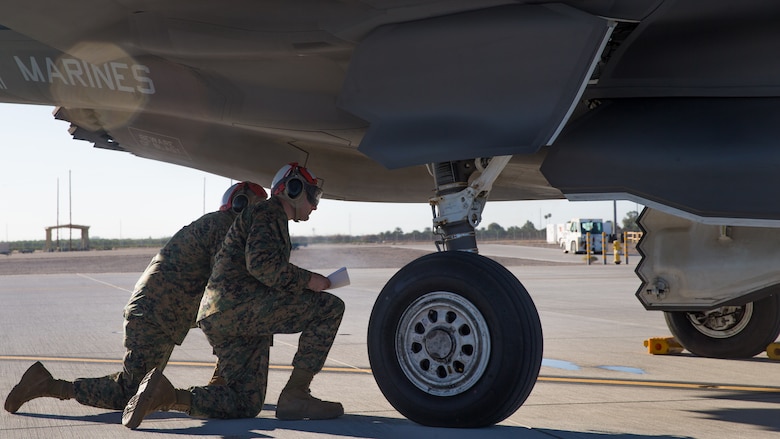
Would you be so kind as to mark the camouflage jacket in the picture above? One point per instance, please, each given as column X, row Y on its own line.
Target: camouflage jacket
column 254, row 259
column 170, row 289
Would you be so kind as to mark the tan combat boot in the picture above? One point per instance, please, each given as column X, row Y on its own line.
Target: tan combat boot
column 35, row 383
column 155, row 393
column 295, row 401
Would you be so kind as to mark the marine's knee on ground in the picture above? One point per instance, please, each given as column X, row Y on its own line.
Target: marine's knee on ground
column 224, row 402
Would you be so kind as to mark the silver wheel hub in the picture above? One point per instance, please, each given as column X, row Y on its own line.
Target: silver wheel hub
column 442, row 343
column 723, row 322
column 439, row 344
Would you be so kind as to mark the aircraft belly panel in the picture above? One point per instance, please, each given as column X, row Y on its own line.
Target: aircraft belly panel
column 698, row 48
column 706, row 157
column 247, row 154
column 490, row 82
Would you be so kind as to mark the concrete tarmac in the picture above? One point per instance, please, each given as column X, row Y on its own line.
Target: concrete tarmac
column 597, row 380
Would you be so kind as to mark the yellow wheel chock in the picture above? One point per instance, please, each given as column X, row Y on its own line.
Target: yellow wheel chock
column 665, row 345
column 773, row 351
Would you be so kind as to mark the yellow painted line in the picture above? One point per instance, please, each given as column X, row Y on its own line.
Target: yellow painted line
column 548, row 379
column 174, row 363
column 663, row 384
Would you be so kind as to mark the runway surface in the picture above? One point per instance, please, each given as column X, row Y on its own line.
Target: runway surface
column 597, row 380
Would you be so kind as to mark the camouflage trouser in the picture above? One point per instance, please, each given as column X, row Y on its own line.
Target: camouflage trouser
column 241, row 337
column 146, row 347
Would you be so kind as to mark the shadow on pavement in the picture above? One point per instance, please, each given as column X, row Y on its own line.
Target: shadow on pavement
column 348, row 426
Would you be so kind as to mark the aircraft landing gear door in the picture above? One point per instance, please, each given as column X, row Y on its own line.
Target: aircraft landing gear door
column 454, row 338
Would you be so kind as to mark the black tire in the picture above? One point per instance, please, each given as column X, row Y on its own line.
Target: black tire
column 455, row 340
column 746, row 332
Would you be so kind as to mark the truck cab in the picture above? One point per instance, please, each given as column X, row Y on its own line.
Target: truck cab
column 575, row 234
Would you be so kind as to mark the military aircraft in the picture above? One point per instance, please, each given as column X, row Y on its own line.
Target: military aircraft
column 672, row 103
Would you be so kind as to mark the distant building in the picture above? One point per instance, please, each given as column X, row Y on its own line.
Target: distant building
column 83, row 243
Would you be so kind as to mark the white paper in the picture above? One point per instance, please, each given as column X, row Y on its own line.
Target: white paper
column 339, row 278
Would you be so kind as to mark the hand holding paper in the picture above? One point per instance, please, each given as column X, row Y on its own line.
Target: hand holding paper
column 339, row 278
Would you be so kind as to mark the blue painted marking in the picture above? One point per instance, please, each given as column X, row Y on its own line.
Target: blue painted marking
column 559, row 364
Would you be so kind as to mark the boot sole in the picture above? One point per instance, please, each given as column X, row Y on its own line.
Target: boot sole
column 284, row 417
column 295, row 415
column 136, row 407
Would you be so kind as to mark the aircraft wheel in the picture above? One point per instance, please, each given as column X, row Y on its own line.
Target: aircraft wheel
column 454, row 340
column 729, row 331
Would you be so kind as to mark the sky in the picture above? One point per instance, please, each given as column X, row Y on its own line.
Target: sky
column 47, row 178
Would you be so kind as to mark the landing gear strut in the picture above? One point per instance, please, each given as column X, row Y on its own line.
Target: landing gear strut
column 454, row 338
column 457, row 206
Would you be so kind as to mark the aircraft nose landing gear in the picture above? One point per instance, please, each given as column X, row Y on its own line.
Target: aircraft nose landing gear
column 454, row 339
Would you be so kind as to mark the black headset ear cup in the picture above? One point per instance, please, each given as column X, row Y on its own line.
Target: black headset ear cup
column 240, row 202
column 294, row 188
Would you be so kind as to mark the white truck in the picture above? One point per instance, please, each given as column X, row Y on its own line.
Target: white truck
column 5, row 248
column 571, row 236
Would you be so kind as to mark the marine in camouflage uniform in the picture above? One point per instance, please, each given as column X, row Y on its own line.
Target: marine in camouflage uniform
column 253, row 293
column 159, row 314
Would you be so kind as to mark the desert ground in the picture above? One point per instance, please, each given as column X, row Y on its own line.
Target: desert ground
column 315, row 256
